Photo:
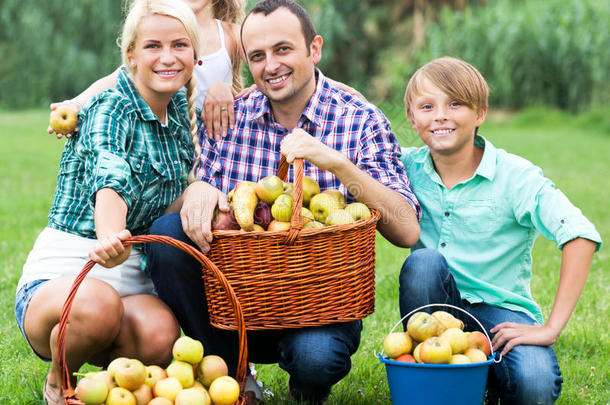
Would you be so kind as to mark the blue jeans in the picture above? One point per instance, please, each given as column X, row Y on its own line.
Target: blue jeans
column 315, row 358
column 526, row 375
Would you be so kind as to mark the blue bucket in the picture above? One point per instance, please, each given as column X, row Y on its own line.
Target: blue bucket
column 436, row 384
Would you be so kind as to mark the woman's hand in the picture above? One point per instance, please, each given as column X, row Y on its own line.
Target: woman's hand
column 217, row 113
column 75, row 105
column 109, row 250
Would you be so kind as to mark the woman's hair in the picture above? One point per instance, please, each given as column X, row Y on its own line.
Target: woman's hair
column 179, row 10
column 231, row 11
column 458, row 79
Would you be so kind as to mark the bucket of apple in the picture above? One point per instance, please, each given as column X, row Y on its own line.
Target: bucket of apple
column 435, row 361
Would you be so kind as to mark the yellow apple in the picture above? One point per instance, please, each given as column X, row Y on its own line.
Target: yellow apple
column 210, row 368
column 337, row 195
column 306, row 216
column 416, row 353
column 130, row 374
column 358, row 210
column 313, row 225
column 91, row 391
column 478, row 340
column 310, row 188
column 421, row 326
column 161, row 401
column 154, row 373
column 475, row 355
column 281, row 209
column 339, row 217
column 187, row 349
column 143, row 394
column 446, row 320
column 269, row 188
column 183, row 372
column 321, row 205
column 456, row 338
column 116, row 363
column 288, row 188
column 167, row 388
column 434, row 351
column 63, row 119
column 459, row 359
column 276, row 226
column 120, row 396
column 396, row 344
column 193, row 396
column 224, row 391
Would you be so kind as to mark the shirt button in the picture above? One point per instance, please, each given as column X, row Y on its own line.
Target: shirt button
column 443, row 244
column 446, row 213
column 563, row 221
column 138, row 166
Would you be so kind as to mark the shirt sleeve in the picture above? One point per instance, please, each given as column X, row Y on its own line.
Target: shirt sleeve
column 103, row 144
column 208, row 167
column 380, row 157
column 538, row 203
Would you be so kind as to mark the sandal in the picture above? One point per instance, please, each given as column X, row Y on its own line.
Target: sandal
column 253, row 391
column 51, row 396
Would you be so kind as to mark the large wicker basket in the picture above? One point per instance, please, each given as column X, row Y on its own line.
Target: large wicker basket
column 295, row 278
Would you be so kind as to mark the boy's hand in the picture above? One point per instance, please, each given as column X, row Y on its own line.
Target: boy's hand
column 511, row 334
column 71, row 104
column 109, row 251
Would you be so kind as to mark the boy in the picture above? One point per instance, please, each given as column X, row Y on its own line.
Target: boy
column 482, row 209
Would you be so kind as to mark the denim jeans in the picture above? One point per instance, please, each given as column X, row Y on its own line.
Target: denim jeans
column 525, row 375
column 315, row 358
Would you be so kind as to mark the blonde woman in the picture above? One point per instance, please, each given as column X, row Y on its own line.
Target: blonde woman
column 127, row 167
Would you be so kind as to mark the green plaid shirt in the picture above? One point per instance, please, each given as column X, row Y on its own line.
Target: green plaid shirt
column 123, row 146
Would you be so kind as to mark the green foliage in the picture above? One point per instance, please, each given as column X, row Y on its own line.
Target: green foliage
column 537, row 52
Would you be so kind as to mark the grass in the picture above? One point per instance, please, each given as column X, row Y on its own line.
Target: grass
column 572, row 150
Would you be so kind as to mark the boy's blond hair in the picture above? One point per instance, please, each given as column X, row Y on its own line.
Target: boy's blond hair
column 458, row 79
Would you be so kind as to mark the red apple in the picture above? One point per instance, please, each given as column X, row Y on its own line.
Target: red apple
column 406, row 358
column 224, row 221
column 143, row 394
column 478, row 340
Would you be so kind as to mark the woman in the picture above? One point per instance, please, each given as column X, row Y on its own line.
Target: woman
column 124, row 170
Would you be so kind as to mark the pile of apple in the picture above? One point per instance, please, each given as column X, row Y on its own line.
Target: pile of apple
column 191, row 379
column 267, row 206
column 436, row 338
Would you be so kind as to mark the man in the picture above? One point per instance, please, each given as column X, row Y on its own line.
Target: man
column 346, row 144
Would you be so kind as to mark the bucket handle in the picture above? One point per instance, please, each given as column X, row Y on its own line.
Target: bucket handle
column 493, row 353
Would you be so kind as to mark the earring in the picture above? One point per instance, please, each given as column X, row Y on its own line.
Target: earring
column 132, row 64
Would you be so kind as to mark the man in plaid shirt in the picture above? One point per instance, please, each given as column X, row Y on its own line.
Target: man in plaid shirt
column 347, row 144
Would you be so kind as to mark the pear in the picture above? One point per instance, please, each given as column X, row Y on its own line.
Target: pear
column 310, row 188
column 269, row 188
column 337, row 195
column 244, row 203
column 358, row 210
column 339, row 217
column 282, row 208
column 323, row 204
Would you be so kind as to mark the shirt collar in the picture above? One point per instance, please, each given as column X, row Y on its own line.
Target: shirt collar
column 125, row 85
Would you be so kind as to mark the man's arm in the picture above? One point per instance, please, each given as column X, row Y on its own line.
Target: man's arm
column 576, row 259
column 398, row 223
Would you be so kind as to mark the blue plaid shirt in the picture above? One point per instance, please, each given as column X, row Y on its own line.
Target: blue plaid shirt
column 252, row 150
column 123, row 146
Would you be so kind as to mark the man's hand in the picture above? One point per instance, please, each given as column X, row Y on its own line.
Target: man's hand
column 69, row 103
column 109, row 250
column 218, row 114
column 197, row 212
column 299, row 144
column 511, row 334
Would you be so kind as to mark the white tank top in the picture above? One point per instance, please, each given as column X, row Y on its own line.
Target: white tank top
column 213, row 68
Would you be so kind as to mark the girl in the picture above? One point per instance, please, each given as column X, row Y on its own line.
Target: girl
column 126, row 168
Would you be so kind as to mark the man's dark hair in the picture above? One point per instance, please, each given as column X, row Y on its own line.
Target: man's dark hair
column 267, row 7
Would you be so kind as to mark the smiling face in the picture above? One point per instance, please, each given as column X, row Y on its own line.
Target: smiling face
column 281, row 63
column 162, row 57
column 444, row 124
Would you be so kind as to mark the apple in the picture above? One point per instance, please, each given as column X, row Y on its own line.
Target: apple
column 63, row 119
column 406, row 358
column 193, row 396
column 323, row 204
column 396, row 344
column 167, row 388
column 456, row 338
column 435, row 351
column 337, row 195
column 446, row 320
column 313, row 225
column 256, row 228
column 143, row 394
column 224, row 391
column 115, row 364
column 478, row 340
column 183, row 372
column 416, row 353
column 224, row 221
column 154, row 373
column 358, row 210
column 188, row 350
column 244, row 202
column 339, row 217
column 310, row 188
column 198, row 384
column 275, row 226
column 269, row 188
column 91, row 391
column 130, row 374
column 120, row 396
column 106, row 377
column 459, row 359
column 306, row 216
column 161, row 401
column 210, row 368
column 421, row 326
column 475, row 355
column 288, row 188
column 262, row 214
column 282, row 208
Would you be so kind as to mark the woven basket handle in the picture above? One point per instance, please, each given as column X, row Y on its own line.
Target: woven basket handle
column 296, row 222
column 67, row 391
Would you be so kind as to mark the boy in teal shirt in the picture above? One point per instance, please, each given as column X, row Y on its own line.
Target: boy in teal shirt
column 482, row 209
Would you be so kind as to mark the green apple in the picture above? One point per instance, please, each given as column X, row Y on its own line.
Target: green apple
column 421, row 326
column 143, row 394
column 187, row 349
column 306, row 216
column 193, row 396
column 269, row 188
column 120, row 396
column 288, row 187
column 313, row 225
column 310, row 188
column 167, row 388
column 435, row 351
column 154, row 373
column 210, row 368
column 456, row 338
column 91, row 391
column 183, row 372
column 396, row 344
column 358, row 210
column 281, row 209
column 63, row 119
column 323, row 204
column 339, row 217
column 337, row 195
column 130, row 374
column 224, row 391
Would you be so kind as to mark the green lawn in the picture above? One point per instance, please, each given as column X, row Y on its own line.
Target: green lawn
column 573, row 151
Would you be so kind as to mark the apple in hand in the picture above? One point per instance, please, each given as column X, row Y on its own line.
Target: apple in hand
column 224, row 391
column 435, row 351
column 396, row 344
column 187, row 349
column 120, row 396
column 193, row 396
column 478, row 340
column 358, row 210
column 63, row 119
column 154, row 373
column 91, row 391
column 130, row 374
column 422, row 326
column 183, row 372
column 269, row 188
column 210, row 368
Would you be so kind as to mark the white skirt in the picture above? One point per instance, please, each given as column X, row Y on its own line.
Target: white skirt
column 57, row 253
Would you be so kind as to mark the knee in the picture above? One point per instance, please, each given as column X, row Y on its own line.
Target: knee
column 155, row 339
column 422, row 265
column 96, row 314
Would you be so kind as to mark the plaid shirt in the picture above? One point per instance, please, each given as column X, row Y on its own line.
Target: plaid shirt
column 123, row 146
column 344, row 123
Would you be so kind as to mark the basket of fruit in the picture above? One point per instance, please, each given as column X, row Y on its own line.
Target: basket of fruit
column 295, row 258
column 435, row 361
column 190, row 378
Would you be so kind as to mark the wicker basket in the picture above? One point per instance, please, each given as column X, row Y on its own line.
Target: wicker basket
column 70, row 397
column 295, row 278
